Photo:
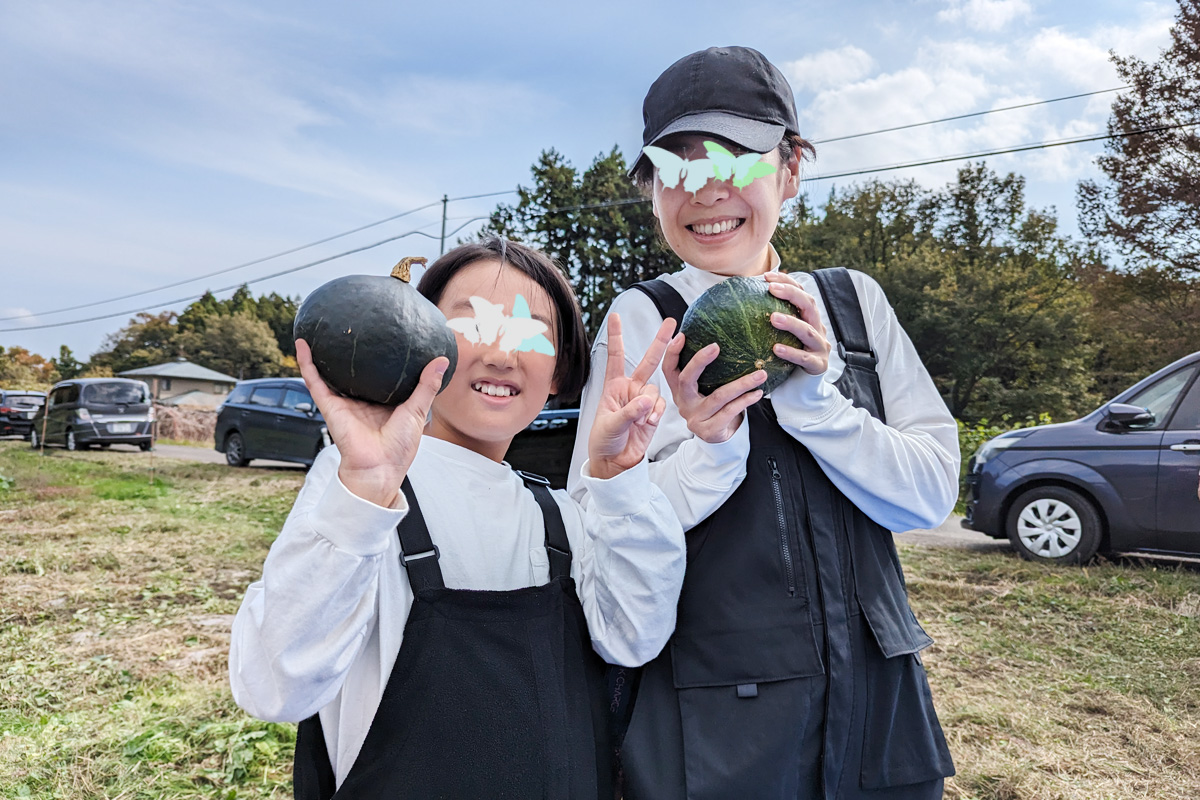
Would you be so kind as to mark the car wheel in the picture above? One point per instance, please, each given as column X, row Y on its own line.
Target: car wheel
column 71, row 444
column 35, row 441
column 145, row 445
column 105, row 445
column 1055, row 525
column 235, row 450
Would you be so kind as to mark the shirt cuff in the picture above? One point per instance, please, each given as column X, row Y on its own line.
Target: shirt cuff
column 805, row 400
column 717, row 465
column 353, row 524
column 621, row 495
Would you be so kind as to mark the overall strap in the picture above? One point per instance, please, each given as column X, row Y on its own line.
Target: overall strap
column 670, row 303
column 845, row 315
column 860, row 380
column 558, row 549
column 418, row 554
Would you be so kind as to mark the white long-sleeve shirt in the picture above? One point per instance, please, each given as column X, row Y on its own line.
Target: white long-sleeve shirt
column 322, row 629
column 904, row 474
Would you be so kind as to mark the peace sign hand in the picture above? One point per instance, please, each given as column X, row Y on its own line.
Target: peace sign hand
column 630, row 407
column 377, row 443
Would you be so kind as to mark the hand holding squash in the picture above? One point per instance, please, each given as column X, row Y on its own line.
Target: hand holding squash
column 714, row 417
column 630, row 407
column 377, row 443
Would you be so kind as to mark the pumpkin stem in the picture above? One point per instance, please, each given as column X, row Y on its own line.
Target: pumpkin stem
column 403, row 270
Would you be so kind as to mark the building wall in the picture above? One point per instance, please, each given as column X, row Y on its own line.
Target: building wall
column 170, row 387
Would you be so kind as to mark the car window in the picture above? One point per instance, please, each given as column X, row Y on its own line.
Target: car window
column 1159, row 397
column 114, row 394
column 71, row 394
column 266, row 396
column 31, row 400
column 1187, row 416
column 294, row 396
column 239, row 395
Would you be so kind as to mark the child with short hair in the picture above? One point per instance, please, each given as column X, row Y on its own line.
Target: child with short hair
column 436, row 619
column 793, row 670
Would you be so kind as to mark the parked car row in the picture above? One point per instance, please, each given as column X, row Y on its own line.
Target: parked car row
column 1121, row 479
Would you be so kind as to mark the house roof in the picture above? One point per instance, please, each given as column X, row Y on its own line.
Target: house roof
column 182, row 370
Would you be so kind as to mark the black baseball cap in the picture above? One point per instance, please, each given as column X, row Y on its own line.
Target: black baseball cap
column 731, row 92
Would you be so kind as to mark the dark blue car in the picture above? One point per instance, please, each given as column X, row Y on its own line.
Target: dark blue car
column 1120, row 479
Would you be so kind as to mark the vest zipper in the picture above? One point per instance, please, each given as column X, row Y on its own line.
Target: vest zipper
column 784, row 546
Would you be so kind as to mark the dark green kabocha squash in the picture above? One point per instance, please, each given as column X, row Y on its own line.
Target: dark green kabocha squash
column 736, row 314
column 372, row 335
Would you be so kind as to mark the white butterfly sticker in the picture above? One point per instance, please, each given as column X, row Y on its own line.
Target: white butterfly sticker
column 519, row 332
column 671, row 168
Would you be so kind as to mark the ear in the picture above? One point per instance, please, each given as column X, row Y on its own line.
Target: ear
column 654, row 198
column 789, row 173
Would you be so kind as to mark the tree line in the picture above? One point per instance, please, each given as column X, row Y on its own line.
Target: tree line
column 242, row 336
column 1012, row 318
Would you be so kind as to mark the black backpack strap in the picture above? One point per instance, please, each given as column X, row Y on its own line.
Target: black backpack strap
column 670, row 303
column 861, row 380
column 845, row 314
column 558, row 549
column 418, row 554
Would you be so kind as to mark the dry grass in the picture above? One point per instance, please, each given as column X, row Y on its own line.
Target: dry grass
column 1062, row 683
column 117, row 594
column 114, row 628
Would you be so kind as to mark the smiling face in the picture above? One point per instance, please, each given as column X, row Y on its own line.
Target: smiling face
column 719, row 228
column 495, row 392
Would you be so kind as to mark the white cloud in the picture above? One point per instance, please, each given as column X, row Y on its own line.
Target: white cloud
column 16, row 317
column 985, row 15
column 944, row 79
column 829, row 68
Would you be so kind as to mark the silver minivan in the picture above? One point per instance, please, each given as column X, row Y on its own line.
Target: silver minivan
column 83, row 412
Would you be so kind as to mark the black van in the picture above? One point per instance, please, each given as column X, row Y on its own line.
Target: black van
column 102, row 411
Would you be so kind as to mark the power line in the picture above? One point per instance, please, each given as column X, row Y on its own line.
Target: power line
column 966, row 116
column 1017, row 149
column 224, row 288
column 280, row 254
column 343, row 234
column 605, row 204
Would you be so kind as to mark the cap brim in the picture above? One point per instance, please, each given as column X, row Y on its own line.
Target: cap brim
column 756, row 136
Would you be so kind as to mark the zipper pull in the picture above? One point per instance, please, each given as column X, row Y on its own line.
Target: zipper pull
column 774, row 468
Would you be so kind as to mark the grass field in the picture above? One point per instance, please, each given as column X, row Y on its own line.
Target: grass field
column 116, row 595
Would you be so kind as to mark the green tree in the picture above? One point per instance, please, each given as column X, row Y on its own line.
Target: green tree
column 595, row 225
column 66, row 365
column 278, row 312
column 986, row 288
column 1140, row 321
column 237, row 344
column 148, row 339
column 1148, row 205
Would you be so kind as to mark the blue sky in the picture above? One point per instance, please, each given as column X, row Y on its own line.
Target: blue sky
column 146, row 143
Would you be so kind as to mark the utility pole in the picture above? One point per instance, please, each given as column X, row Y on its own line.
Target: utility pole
column 445, row 199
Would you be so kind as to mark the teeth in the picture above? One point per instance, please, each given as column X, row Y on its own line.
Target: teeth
column 494, row 391
column 708, row 229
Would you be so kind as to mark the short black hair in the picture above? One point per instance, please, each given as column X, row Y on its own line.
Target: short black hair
column 571, row 347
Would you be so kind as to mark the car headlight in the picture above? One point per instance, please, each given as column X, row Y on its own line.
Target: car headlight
column 990, row 449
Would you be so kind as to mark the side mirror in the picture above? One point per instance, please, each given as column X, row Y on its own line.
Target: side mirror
column 307, row 408
column 1124, row 415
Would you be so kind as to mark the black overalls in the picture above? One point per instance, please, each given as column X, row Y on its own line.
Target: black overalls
column 792, row 672
column 494, row 694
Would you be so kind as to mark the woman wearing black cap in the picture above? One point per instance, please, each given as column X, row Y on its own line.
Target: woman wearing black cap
column 794, row 669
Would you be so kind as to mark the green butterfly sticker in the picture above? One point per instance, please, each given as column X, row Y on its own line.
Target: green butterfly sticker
column 744, row 168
